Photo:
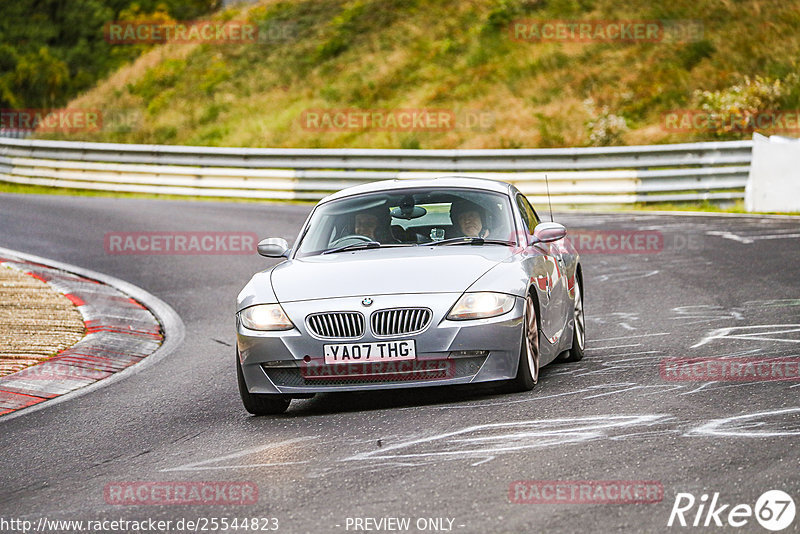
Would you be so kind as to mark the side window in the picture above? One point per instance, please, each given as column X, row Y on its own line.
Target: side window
column 529, row 216
column 523, row 211
column 534, row 217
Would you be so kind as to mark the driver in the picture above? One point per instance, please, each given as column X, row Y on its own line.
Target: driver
column 374, row 224
column 366, row 224
column 468, row 219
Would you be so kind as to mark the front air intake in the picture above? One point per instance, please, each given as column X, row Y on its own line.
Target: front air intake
column 336, row 325
column 400, row 321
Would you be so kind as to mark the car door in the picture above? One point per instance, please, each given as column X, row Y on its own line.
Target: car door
column 549, row 276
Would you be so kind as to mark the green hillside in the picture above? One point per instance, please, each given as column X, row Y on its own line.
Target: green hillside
column 51, row 50
column 458, row 57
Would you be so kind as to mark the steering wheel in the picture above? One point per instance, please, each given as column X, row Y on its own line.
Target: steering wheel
column 355, row 237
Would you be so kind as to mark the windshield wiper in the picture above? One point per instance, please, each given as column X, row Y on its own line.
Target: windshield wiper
column 469, row 241
column 354, row 246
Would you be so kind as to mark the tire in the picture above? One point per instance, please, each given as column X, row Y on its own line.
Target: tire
column 575, row 354
column 260, row 403
column 528, row 369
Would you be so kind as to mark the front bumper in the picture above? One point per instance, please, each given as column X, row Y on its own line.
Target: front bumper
column 448, row 352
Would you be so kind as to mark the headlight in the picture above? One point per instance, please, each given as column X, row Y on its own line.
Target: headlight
column 265, row 317
column 481, row 306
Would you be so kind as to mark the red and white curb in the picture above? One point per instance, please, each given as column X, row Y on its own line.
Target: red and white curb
column 122, row 330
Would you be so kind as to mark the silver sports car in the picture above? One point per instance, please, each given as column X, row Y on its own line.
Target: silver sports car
column 409, row 283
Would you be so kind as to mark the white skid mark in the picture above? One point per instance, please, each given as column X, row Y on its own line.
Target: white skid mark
column 774, row 303
column 628, row 337
column 614, row 347
column 703, row 313
column 775, row 236
column 482, row 441
column 700, row 388
column 768, row 330
column 639, row 359
column 625, row 277
column 632, row 388
column 203, row 465
column 748, row 240
column 648, row 433
column 723, row 385
column 506, row 403
column 674, row 387
column 731, row 236
column 746, row 425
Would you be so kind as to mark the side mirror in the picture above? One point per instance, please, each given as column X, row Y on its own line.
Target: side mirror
column 273, row 247
column 548, row 232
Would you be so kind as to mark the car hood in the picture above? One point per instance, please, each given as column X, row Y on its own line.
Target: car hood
column 444, row 269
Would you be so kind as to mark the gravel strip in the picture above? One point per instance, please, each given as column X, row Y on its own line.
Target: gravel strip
column 36, row 322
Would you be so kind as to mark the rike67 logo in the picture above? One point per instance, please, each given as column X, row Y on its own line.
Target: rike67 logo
column 774, row 510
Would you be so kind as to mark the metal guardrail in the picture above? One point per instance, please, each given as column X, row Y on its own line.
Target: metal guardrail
column 14, row 133
column 607, row 175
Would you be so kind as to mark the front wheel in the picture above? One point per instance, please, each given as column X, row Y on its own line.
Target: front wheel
column 575, row 354
column 260, row 403
column 528, row 369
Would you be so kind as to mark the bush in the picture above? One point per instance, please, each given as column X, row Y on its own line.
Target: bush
column 604, row 128
column 734, row 107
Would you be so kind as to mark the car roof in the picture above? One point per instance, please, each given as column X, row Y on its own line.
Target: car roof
column 439, row 181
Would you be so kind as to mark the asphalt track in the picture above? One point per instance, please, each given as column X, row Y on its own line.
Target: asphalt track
column 722, row 287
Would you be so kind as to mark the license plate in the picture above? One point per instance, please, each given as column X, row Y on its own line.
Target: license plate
column 370, row 352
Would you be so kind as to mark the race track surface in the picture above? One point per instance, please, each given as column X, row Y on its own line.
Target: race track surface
column 720, row 287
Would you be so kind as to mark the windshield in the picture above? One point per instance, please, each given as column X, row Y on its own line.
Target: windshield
column 407, row 217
